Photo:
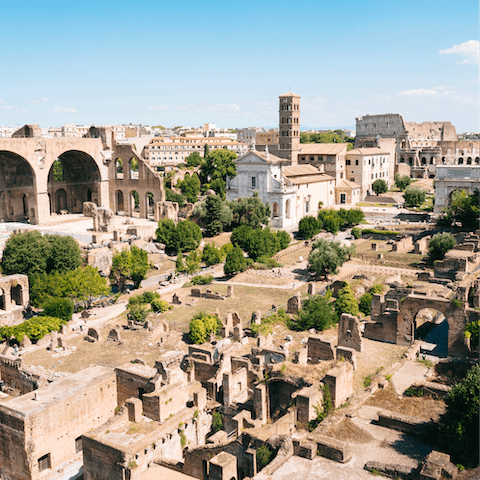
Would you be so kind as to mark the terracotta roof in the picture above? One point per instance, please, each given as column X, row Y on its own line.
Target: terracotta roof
column 348, row 184
column 368, row 151
column 289, row 94
column 301, row 174
column 322, row 148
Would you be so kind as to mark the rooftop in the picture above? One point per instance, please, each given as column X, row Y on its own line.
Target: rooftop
column 322, row 148
column 367, row 151
column 289, row 94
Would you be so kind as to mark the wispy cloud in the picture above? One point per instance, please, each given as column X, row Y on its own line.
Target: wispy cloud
column 159, row 107
column 7, row 108
column 63, row 110
column 42, row 100
column 419, row 92
column 469, row 50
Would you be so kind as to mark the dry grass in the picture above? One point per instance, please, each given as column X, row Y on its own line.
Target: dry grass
column 419, row 407
column 293, row 258
column 346, row 430
column 247, row 277
column 219, row 240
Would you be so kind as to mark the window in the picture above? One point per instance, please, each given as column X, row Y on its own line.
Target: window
column 254, row 182
column 307, row 206
column 78, row 445
column 44, row 463
column 356, row 162
column 347, row 162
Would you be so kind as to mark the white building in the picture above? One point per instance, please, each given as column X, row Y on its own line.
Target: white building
column 292, row 191
column 365, row 165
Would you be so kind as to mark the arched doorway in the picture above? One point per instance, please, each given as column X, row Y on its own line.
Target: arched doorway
column 275, row 210
column 280, row 397
column 17, row 180
column 134, row 204
column 133, row 169
column 288, row 209
column 119, row 168
column 79, row 176
column 119, row 203
column 60, row 200
column 150, row 203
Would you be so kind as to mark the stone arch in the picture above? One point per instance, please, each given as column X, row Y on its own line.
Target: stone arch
column 80, row 173
column 431, row 326
column 469, row 160
column 17, row 294
column 280, row 395
column 432, row 175
column 60, row 200
column 119, row 169
column 17, row 186
column 460, row 161
column 150, row 204
column 477, row 160
column 275, row 210
column 134, row 203
column 133, row 169
column 456, row 318
column 288, row 208
column 420, row 175
column 119, row 202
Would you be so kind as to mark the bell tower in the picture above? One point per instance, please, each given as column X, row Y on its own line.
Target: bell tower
column 289, row 127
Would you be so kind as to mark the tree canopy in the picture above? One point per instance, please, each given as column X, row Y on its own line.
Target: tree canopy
column 440, row 244
column 250, row 211
column 190, row 187
column 464, row 209
column 216, row 167
column 131, row 265
column 402, row 182
column 414, row 196
column 326, row 257
column 379, row 186
column 185, row 236
column 346, row 302
column 235, row 261
column 317, row 312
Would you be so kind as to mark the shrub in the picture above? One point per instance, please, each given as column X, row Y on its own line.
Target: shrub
column 202, row 280
column 201, row 326
column 59, row 308
column 268, row 261
column 308, row 227
column 34, row 328
column 457, row 303
column 149, row 297
column 327, row 408
column 346, row 302
column 217, row 423
column 137, row 313
column 317, row 312
column 414, row 196
column 366, row 298
column 471, row 332
column 235, row 261
column 278, row 318
column 160, row 306
column 372, row 231
column 211, row 254
column 440, row 244
column 379, row 186
column 264, row 456
column 356, row 232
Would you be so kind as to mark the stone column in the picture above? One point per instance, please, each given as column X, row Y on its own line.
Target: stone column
column 103, row 195
column 41, row 206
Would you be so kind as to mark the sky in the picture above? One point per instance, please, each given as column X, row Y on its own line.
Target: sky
column 189, row 62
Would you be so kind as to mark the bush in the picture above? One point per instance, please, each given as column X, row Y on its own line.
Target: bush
column 212, row 255
column 402, row 182
column 372, row 231
column 471, row 332
column 356, row 232
column 217, row 423
column 440, row 244
column 264, row 456
column 459, row 433
column 235, row 261
column 308, row 227
column 326, row 257
column 59, row 308
column 240, row 236
column 202, row 280
column 366, row 298
column 346, row 302
column 201, row 326
column 317, row 312
column 322, row 413
column 278, row 318
column 137, row 312
column 268, row 261
column 160, row 306
column 414, row 196
column 149, row 297
column 34, row 328
column 185, row 236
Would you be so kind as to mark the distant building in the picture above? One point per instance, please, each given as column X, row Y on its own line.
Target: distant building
column 267, row 137
column 247, row 135
column 171, row 151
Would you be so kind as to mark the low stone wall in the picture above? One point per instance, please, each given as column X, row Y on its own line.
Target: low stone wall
column 402, row 423
column 292, row 249
column 390, row 470
column 330, row 448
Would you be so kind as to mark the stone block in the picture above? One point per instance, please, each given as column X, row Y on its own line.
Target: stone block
column 311, row 289
column 305, row 449
column 222, row 467
column 340, row 383
column 176, row 300
column 134, row 409
column 294, row 304
column 196, row 292
column 319, row 349
column 114, row 335
column 348, row 354
column 349, row 333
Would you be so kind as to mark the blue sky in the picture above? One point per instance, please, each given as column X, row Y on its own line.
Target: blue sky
column 191, row 62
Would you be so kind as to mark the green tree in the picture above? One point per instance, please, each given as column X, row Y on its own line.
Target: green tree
column 190, row 187
column 331, row 224
column 317, row 312
column 235, row 261
column 326, row 257
column 282, row 240
column 250, row 211
column 166, row 232
column 188, row 235
column 366, row 298
column 172, row 196
column 346, row 302
column 440, row 244
column 179, row 265
column 464, row 209
column 356, row 232
column 308, row 227
column 218, row 186
column 402, row 182
column 26, row 253
column 379, row 186
column 211, row 254
column 64, row 255
column 213, row 215
column 194, row 160
column 218, row 164
column 120, row 271
column 459, row 433
column 59, row 308
column 137, row 312
column 57, row 168
column 193, row 261
column 201, row 326
column 139, row 265
column 206, row 151
column 472, row 332
column 355, row 216
column 414, row 196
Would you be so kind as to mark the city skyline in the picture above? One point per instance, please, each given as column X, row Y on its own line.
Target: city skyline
column 188, row 63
